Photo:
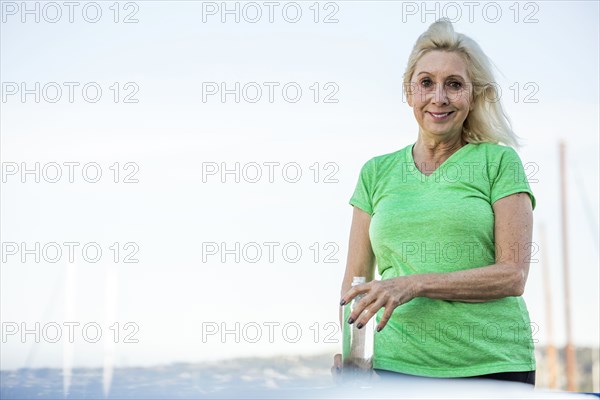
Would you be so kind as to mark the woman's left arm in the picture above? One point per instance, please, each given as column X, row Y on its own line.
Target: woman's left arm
column 513, row 225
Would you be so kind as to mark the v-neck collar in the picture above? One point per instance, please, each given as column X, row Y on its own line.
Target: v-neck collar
column 435, row 173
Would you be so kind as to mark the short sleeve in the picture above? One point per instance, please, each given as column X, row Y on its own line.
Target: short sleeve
column 510, row 177
column 363, row 192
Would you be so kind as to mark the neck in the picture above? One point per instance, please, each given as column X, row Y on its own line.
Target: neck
column 429, row 154
column 437, row 150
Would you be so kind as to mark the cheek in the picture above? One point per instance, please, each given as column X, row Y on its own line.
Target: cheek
column 415, row 98
column 461, row 102
column 466, row 100
column 418, row 100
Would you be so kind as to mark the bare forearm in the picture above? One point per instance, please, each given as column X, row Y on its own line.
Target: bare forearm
column 478, row 284
column 361, row 259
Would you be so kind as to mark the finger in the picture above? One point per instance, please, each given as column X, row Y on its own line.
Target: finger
column 337, row 361
column 363, row 304
column 353, row 292
column 369, row 312
column 336, row 369
column 347, row 297
column 389, row 309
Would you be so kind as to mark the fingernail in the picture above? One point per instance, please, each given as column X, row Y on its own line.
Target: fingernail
column 360, row 325
column 342, row 302
column 350, row 320
column 378, row 329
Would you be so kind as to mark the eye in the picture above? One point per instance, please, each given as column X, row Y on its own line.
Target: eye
column 426, row 82
column 455, row 85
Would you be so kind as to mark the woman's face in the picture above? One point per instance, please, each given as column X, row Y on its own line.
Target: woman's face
column 440, row 94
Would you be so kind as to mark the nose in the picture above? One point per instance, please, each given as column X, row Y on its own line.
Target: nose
column 439, row 95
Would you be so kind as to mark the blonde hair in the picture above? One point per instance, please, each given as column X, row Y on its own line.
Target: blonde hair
column 487, row 121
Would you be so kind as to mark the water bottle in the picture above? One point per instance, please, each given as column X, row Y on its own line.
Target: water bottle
column 357, row 352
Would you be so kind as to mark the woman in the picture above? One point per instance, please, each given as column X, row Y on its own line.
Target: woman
column 448, row 220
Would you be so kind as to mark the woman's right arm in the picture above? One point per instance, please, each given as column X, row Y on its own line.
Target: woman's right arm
column 361, row 260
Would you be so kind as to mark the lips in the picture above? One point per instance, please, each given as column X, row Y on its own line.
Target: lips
column 440, row 116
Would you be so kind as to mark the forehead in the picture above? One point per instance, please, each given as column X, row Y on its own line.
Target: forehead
column 442, row 63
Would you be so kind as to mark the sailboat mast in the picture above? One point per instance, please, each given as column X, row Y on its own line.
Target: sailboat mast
column 570, row 351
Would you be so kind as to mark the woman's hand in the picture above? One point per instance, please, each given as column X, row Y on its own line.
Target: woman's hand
column 336, row 369
column 389, row 293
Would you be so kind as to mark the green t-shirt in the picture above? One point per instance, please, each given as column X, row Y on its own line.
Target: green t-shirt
column 441, row 223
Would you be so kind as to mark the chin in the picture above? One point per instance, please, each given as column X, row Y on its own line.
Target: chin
column 438, row 132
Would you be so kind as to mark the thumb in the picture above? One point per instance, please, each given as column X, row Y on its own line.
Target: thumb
column 337, row 361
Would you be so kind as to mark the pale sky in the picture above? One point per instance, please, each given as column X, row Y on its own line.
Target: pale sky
column 162, row 62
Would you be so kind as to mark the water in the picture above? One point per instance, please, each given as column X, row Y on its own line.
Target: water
column 230, row 378
column 251, row 378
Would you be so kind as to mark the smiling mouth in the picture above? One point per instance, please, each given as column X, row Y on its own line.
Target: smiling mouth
column 440, row 116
